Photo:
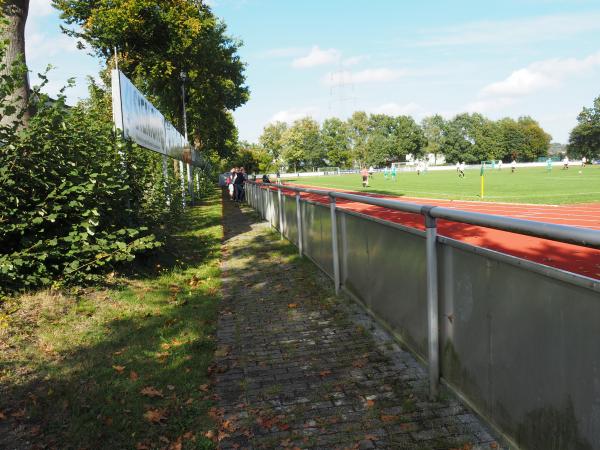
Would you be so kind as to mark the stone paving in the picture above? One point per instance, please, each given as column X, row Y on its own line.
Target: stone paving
column 297, row 367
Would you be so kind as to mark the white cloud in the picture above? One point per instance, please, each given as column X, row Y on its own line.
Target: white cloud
column 395, row 109
column 380, row 75
column 317, row 57
column 540, row 75
column 290, row 115
column 509, row 32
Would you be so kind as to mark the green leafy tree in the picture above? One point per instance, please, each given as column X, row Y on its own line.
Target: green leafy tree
column 584, row 139
column 272, row 138
column 433, row 131
column 336, row 141
column 160, row 39
column 358, row 126
column 302, row 146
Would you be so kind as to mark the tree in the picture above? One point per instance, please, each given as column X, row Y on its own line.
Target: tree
column 272, row 138
column 302, row 145
column 522, row 139
column 160, row 39
column 433, row 131
column 336, row 141
column 584, row 139
column 12, row 30
column 358, row 127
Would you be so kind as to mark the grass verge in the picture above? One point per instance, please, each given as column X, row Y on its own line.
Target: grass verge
column 125, row 366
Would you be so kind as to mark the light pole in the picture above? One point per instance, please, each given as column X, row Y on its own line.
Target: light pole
column 187, row 142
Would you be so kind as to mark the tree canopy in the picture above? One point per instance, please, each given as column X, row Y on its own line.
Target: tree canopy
column 584, row 139
column 157, row 41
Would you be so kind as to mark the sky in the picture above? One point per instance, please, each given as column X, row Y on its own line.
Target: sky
column 331, row 57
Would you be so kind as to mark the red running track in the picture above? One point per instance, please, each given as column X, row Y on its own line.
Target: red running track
column 572, row 258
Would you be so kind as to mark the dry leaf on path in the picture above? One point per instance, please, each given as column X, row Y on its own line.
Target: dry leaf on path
column 155, row 415
column 292, row 305
column 119, row 369
column 151, row 392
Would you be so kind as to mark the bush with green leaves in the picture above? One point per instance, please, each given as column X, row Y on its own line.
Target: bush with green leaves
column 75, row 200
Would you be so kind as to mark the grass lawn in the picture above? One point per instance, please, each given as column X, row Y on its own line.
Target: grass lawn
column 527, row 185
column 123, row 366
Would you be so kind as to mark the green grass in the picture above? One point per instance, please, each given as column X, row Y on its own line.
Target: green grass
column 72, row 367
column 530, row 185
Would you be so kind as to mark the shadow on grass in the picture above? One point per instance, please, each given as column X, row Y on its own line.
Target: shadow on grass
column 76, row 380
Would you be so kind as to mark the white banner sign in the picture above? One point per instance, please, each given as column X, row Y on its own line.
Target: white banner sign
column 141, row 122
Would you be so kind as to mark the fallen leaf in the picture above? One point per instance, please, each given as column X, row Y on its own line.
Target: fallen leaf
column 189, row 436
column 203, row 387
column 210, row 434
column 165, row 346
column 119, row 369
column 177, row 445
column 18, row 414
column 388, row 419
column 370, row 403
column 155, row 415
column 292, row 305
column 151, row 392
column 164, row 439
column 133, row 376
column 170, row 387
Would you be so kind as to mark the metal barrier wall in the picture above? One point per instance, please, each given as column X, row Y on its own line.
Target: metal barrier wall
column 515, row 339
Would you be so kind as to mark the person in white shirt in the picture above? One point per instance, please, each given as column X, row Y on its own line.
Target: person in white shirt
column 461, row 170
column 457, row 166
column 500, row 165
column 513, row 166
column 371, row 172
column 566, row 163
column 583, row 161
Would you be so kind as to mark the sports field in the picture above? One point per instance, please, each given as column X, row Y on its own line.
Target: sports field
column 526, row 185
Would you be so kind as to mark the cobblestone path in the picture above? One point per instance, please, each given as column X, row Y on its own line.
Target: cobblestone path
column 299, row 368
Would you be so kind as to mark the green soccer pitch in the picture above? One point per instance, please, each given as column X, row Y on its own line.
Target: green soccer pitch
column 526, row 185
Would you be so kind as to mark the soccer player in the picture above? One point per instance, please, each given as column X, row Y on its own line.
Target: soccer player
column 549, row 165
column 365, row 177
column 457, row 167
column 394, row 173
column 419, row 167
column 513, row 166
column 583, row 161
column 500, row 165
column 461, row 170
column 371, row 172
column 566, row 163
column 385, row 172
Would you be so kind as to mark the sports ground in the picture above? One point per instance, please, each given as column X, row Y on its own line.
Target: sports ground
column 564, row 197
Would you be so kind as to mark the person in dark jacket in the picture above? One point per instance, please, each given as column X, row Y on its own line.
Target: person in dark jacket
column 265, row 179
column 239, row 186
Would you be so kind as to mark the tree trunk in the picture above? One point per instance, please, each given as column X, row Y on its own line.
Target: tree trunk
column 15, row 13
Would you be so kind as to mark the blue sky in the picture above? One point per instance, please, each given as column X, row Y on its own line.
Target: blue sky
column 331, row 57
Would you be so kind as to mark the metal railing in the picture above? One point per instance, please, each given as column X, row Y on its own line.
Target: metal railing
column 561, row 233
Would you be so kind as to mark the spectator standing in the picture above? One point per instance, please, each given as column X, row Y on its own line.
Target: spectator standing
column 239, row 185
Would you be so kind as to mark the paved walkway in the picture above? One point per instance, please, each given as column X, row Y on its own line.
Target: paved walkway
column 299, row 368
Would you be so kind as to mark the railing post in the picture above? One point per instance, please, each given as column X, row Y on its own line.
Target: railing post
column 280, row 212
column 334, row 244
column 299, row 219
column 432, row 302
